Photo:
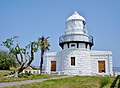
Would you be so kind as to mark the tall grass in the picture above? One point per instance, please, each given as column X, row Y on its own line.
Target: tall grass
column 104, row 81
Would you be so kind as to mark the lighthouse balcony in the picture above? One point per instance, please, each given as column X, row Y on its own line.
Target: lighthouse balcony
column 81, row 38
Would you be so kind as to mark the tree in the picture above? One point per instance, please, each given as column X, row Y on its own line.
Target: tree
column 24, row 56
column 43, row 45
column 6, row 60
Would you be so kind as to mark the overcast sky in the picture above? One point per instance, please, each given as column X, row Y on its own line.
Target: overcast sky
column 30, row 19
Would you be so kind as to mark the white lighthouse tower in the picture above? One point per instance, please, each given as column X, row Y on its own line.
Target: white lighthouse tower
column 76, row 44
column 76, row 56
column 76, row 35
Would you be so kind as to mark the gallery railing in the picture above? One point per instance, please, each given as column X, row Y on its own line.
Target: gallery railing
column 76, row 37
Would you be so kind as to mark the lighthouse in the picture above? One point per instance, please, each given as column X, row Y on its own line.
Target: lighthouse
column 77, row 56
column 76, row 34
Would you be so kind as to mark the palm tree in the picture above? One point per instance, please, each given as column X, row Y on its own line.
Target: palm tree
column 44, row 46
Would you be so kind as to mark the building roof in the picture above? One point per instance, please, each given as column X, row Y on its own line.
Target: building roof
column 76, row 16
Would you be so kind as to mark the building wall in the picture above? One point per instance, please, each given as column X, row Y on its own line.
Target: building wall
column 82, row 62
column 52, row 56
column 86, row 62
column 101, row 56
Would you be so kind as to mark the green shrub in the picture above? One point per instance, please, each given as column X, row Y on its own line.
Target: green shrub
column 104, row 81
column 22, row 75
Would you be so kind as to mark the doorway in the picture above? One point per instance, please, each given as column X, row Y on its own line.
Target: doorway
column 101, row 66
column 53, row 65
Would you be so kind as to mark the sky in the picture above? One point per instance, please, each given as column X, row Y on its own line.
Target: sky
column 30, row 19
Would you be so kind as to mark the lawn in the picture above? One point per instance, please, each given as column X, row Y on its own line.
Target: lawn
column 4, row 72
column 23, row 76
column 72, row 82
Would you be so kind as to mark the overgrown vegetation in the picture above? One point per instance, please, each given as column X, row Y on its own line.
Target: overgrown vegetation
column 72, row 82
column 6, row 60
column 116, row 82
column 104, row 81
column 24, row 56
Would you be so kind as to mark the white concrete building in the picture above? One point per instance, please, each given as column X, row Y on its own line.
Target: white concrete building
column 76, row 57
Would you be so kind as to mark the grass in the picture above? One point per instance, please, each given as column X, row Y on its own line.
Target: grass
column 31, row 77
column 72, row 82
column 116, row 85
column 4, row 72
column 104, row 81
column 23, row 77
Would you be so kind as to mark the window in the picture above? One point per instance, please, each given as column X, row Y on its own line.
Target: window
column 84, row 23
column 101, row 66
column 73, row 61
column 72, row 45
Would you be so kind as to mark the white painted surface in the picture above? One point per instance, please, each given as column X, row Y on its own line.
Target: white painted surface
column 86, row 60
column 75, row 16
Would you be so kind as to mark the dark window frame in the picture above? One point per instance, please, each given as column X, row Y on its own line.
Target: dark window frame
column 72, row 61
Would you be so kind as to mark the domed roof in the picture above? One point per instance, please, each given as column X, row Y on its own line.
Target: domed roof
column 76, row 16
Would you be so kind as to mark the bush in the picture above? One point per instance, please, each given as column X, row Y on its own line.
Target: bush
column 104, row 81
column 22, row 75
column 6, row 60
